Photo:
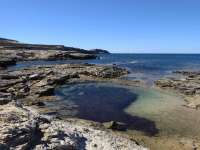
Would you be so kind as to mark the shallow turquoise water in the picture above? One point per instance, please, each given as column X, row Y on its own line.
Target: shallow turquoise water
column 145, row 110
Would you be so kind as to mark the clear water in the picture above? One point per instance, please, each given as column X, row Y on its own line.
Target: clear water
column 101, row 102
column 147, row 111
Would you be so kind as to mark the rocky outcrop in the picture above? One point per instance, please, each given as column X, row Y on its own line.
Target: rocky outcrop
column 9, row 44
column 12, row 51
column 7, row 41
column 26, row 55
column 188, row 84
column 29, row 85
column 23, row 128
column 99, row 51
column 115, row 125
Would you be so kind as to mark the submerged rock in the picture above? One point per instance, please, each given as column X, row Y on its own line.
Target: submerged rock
column 115, row 125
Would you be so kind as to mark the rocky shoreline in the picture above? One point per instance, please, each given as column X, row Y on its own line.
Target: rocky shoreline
column 22, row 127
column 32, row 84
column 187, row 84
column 23, row 93
column 12, row 51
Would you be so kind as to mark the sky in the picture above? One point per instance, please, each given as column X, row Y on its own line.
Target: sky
column 121, row 26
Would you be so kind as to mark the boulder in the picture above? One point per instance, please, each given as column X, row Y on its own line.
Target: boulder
column 45, row 91
column 115, row 125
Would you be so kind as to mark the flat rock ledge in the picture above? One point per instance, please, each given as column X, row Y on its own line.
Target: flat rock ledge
column 12, row 51
column 33, row 84
column 22, row 128
column 188, row 85
column 10, row 57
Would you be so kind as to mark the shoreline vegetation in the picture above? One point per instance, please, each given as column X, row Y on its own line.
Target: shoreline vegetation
column 23, row 91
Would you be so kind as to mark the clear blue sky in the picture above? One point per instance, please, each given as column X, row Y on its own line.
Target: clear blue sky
column 137, row 26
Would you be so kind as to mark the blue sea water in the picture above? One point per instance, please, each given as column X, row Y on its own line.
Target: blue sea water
column 148, row 67
column 136, row 62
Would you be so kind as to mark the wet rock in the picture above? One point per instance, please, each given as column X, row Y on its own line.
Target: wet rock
column 36, row 76
column 115, row 125
column 45, row 91
column 6, row 61
column 40, row 104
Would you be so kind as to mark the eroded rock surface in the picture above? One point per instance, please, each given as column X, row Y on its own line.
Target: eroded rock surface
column 25, row 55
column 22, row 128
column 29, row 85
column 12, row 51
column 188, row 84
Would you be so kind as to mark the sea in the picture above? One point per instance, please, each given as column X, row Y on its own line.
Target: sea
column 148, row 67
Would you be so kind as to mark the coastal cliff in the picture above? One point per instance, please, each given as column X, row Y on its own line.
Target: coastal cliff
column 99, row 51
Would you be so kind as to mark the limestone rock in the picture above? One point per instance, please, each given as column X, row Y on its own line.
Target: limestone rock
column 26, row 129
column 188, row 84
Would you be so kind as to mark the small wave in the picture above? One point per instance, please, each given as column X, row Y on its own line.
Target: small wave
column 133, row 62
column 123, row 63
